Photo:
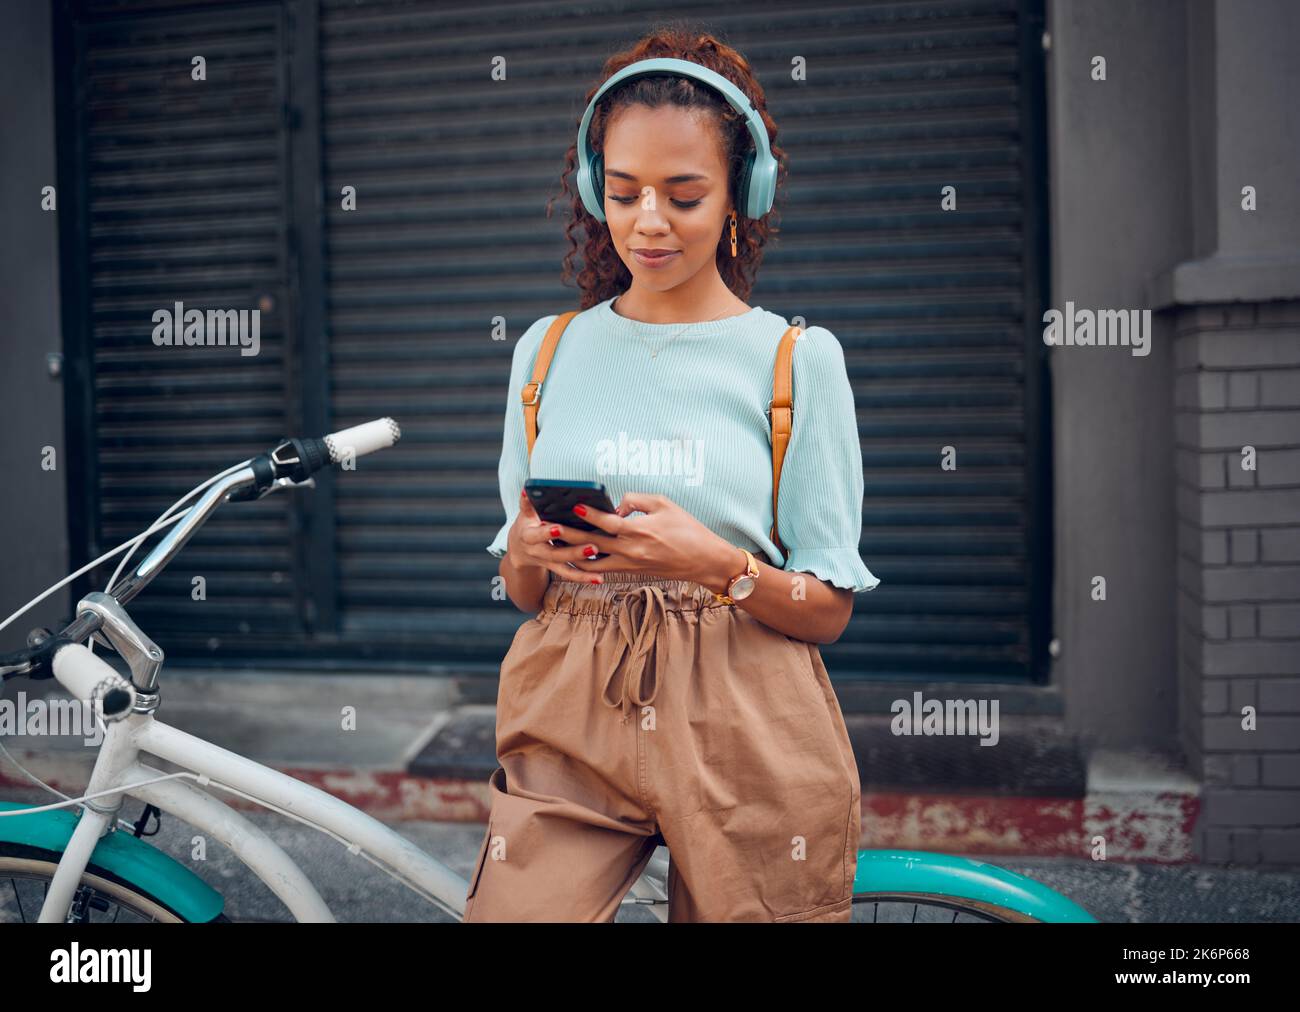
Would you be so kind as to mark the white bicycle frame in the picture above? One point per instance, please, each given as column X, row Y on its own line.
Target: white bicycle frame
column 119, row 765
column 118, row 770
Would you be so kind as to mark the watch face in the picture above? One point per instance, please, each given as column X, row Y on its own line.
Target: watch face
column 742, row 588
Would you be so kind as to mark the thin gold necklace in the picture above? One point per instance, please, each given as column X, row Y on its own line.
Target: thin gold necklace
column 655, row 351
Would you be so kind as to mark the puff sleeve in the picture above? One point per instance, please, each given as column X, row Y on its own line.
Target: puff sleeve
column 819, row 510
column 512, row 470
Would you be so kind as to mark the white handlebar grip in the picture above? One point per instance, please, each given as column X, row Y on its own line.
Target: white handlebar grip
column 362, row 439
column 90, row 679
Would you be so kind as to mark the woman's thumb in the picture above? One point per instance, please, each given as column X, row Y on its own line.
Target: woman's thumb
column 636, row 502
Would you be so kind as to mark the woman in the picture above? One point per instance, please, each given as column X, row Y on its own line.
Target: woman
column 737, row 759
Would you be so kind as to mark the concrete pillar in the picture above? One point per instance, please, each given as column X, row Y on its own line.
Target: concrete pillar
column 1234, row 305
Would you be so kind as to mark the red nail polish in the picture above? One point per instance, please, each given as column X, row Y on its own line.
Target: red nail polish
column 596, row 580
column 589, row 552
column 555, row 532
column 580, row 509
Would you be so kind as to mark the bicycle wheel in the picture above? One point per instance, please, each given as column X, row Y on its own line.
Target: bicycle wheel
column 931, row 908
column 102, row 897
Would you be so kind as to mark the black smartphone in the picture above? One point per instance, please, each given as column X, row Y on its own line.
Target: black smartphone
column 554, row 500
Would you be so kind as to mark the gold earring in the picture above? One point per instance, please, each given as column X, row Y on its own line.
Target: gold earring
column 733, row 233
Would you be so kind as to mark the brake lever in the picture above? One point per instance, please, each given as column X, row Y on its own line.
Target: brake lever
column 286, row 483
column 35, row 662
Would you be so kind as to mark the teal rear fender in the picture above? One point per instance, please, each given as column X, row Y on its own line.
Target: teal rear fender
column 130, row 859
column 917, row 871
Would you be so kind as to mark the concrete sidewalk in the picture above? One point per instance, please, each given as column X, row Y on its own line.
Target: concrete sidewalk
column 419, row 748
column 415, row 752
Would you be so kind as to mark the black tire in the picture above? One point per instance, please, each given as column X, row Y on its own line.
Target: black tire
column 867, row 907
column 23, row 867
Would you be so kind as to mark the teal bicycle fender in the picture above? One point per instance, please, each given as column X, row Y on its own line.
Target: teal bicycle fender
column 918, row 871
column 127, row 857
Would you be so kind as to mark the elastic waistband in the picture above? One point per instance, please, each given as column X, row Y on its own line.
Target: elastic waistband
column 577, row 598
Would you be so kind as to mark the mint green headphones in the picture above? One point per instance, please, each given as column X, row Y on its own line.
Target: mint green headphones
column 757, row 187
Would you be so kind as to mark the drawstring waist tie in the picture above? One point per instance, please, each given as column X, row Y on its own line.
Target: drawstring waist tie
column 640, row 617
column 639, row 605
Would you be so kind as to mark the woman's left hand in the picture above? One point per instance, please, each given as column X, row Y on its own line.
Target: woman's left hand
column 666, row 542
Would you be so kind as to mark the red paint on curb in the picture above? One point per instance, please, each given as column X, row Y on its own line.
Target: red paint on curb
column 1135, row 825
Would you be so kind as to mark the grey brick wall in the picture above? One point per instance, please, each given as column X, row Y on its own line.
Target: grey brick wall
column 1238, row 385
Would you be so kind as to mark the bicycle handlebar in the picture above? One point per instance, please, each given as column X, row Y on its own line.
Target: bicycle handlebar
column 292, row 462
column 362, row 439
column 299, row 459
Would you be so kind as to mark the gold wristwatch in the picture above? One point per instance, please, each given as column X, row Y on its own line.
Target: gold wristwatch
column 742, row 585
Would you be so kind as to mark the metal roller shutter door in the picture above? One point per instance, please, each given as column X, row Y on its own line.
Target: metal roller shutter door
column 930, row 305
column 935, row 309
column 184, row 200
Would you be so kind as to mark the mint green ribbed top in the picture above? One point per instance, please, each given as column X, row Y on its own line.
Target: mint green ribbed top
column 689, row 424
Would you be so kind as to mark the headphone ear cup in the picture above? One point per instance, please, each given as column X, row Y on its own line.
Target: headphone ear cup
column 598, row 181
column 591, row 185
column 762, row 186
column 746, row 186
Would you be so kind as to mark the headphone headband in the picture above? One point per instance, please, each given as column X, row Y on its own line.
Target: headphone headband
column 758, row 174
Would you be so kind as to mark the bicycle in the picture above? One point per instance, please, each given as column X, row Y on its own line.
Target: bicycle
column 84, row 866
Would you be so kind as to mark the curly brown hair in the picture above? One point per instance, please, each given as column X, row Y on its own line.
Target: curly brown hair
column 603, row 274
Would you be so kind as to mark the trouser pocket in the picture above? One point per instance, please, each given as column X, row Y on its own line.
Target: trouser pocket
column 497, row 783
column 478, row 863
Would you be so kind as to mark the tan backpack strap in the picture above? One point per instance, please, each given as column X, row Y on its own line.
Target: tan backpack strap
column 782, row 415
column 532, row 391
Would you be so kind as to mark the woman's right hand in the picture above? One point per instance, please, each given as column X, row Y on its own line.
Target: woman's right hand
column 528, row 544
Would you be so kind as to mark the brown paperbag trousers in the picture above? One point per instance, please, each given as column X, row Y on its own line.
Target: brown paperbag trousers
column 640, row 712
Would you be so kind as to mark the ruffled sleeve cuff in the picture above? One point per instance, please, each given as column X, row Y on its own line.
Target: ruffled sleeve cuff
column 498, row 546
column 840, row 567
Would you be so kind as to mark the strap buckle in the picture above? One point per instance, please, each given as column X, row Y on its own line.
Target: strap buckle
column 537, row 393
column 784, row 404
